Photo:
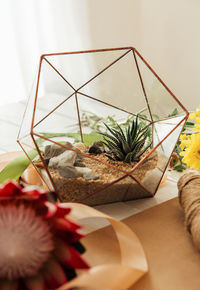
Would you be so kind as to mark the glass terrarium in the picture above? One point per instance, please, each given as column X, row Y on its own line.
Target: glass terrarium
column 100, row 125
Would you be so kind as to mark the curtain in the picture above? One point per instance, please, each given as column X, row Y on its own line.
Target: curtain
column 29, row 28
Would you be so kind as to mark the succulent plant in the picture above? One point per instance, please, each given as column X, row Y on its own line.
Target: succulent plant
column 129, row 144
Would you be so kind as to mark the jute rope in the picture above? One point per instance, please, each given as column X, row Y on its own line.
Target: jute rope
column 189, row 198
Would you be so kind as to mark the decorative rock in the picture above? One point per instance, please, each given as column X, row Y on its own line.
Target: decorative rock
column 73, row 172
column 96, row 148
column 68, row 172
column 79, row 164
column 83, row 170
column 69, row 163
column 90, row 176
column 67, row 158
column 86, row 173
column 78, row 157
column 54, row 150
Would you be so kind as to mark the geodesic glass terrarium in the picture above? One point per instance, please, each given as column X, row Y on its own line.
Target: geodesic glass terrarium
column 102, row 96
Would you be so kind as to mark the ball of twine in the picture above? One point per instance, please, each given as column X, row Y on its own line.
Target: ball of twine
column 189, row 199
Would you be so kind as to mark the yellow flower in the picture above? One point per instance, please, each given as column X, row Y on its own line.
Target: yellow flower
column 197, row 120
column 195, row 115
column 185, row 141
column 196, row 128
column 192, row 116
column 191, row 155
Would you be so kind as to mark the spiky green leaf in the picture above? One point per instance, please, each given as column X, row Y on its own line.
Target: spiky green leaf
column 128, row 157
column 142, row 151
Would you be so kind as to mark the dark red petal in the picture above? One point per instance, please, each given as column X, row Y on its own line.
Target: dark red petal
column 65, row 224
column 54, row 274
column 35, row 283
column 51, row 209
column 10, row 189
column 40, row 208
column 31, row 192
column 70, row 237
column 56, row 210
column 68, row 256
column 62, row 210
column 8, row 285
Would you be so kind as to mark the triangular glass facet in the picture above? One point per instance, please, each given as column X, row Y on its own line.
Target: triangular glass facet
column 62, row 124
column 161, row 102
column 151, row 171
column 79, row 68
column 94, row 114
column 52, row 91
column 161, row 129
column 120, row 86
column 28, row 114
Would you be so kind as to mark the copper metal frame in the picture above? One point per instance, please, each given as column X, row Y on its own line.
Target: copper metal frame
column 76, row 92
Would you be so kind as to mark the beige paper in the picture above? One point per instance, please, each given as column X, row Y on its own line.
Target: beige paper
column 173, row 261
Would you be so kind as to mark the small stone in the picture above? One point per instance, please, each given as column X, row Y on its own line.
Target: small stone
column 68, row 172
column 96, row 148
column 79, row 164
column 79, row 157
column 86, row 173
column 83, row 170
column 67, row 158
column 90, row 176
column 73, row 172
column 54, row 150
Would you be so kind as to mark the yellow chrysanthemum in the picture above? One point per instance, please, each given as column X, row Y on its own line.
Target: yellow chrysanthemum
column 185, row 141
column 192, row 116
column 197, row 120
column 195, row 115
column 196, row 128
column 191, row 155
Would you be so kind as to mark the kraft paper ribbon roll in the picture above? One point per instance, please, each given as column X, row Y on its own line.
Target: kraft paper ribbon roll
column 189, row 198
column 111, row 276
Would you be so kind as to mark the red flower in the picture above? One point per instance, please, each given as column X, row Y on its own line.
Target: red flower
column 174, row 159
column 39, row 245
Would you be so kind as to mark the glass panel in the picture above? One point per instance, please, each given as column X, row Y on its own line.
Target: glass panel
column 30, row 149
column 162, row 128
column 119, row 86
column 95, row 114
column 162, row 103
column 151, row 171
column 76, row 176
column 52, row 91
column 79, row 68
column 61, row 124
column 28, row 114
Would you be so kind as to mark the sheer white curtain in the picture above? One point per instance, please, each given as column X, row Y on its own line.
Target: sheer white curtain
column 29, row 28
column 165, row 32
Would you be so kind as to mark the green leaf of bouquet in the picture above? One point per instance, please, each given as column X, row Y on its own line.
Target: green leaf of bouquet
column 88, row 139
column 174, row 113
column 180, row 167
column 16, row 167
column 189, row 124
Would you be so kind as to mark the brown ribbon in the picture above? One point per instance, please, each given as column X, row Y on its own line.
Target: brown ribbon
column 111, row 276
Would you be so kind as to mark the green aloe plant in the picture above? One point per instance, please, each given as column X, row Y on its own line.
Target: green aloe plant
column 127, row 144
